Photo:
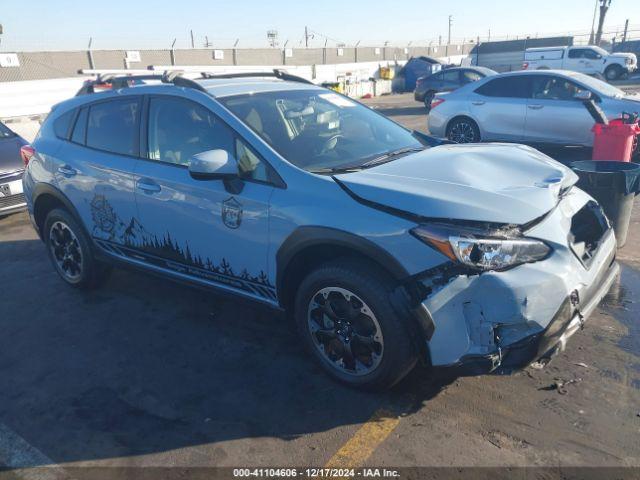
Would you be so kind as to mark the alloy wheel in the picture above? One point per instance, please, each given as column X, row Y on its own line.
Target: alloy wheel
column 66, row 251
column 462, row 132
column 345, row 331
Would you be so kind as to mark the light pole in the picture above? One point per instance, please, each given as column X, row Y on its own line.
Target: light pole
column 450, row 22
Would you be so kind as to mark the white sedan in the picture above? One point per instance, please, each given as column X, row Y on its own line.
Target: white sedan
column 536, row 107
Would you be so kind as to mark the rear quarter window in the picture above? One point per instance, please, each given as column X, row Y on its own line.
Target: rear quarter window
column 113, row 126
column 80, row 129
column 62, row 124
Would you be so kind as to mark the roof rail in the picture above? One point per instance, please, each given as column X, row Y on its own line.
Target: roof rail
column 119, row 80
column 277, row 73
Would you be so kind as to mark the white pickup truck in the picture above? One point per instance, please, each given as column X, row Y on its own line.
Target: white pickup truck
column 587, row 59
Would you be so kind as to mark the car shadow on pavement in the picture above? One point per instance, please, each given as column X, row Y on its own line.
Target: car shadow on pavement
column 145, row 365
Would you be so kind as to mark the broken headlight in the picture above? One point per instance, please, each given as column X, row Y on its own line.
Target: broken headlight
column 480, row 250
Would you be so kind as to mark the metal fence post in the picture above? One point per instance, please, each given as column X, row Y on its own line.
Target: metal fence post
column 90, row 54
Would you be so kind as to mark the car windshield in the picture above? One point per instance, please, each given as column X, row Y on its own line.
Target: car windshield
column 5, row 132
column 598, row 86
column 319, row 130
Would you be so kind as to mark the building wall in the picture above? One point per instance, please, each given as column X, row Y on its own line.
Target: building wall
column 65, row 64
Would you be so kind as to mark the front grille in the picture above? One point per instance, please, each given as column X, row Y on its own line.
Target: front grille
column 12, row 201
column 588, row 227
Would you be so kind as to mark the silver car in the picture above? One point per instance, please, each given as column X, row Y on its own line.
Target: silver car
column 537, row 107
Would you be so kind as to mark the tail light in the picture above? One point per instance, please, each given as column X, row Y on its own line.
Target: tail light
column 27, row 152
column 435, row 102
column 525, row 65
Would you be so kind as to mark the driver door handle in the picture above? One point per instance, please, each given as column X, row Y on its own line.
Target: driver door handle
column 535, row 106
column 478, row 102
column 148, row 185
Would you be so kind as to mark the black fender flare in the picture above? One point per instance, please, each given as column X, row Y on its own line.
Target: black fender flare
column 48, row 189
column 310, row 236
column 402, row 298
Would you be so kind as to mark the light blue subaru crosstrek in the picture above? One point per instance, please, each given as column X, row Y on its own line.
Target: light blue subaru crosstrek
column 385, row 249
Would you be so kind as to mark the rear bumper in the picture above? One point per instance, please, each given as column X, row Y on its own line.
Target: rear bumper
column 12, row 198
column 18, row 205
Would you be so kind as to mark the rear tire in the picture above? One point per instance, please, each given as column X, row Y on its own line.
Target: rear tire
column 463, row 130
column 70, row 251
column 344, row 316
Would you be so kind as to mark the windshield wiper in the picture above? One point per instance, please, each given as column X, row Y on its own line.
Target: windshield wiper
column 371, row 163
column 389, row 155
column 336, row 170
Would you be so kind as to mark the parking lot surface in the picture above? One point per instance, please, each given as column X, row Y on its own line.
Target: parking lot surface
column 145, row 372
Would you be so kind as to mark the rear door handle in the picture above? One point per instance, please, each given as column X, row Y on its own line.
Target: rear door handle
column 67, row 171
column 535, row 107
column 148, row 186
column 478, row 102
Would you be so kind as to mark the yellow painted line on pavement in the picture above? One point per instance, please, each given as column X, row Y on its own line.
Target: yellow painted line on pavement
column 370, row 435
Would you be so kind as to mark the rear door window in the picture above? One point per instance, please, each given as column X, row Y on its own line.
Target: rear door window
column 506, row 87
column 451, row 77
column 113, row 126
column 576, row 53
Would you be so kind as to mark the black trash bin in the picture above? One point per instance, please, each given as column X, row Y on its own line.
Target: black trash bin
column 614, row 185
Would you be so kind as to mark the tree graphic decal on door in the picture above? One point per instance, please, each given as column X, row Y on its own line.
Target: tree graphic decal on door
column 111, row 233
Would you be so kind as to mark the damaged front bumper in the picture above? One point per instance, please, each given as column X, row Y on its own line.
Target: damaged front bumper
column 502, row 321
column 541, row 346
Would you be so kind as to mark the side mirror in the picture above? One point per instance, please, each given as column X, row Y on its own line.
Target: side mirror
column 213, row 164
column 583, row 95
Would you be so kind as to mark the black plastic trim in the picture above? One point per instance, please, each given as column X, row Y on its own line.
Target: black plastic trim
column 48, row 189
column 310, row 236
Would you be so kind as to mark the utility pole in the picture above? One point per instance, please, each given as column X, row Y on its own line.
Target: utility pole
column 604, row 7
column 450, row 22
column 192, row 42
column 1, row 32
column 306, row 37
column 624, row 35
column 593, row 23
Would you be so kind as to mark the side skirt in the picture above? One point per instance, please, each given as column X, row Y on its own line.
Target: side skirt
column 189, row 274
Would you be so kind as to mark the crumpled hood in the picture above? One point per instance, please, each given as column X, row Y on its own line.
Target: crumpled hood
column 499, row 183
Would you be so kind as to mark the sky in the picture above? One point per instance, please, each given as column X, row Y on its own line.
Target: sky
column 137, row 24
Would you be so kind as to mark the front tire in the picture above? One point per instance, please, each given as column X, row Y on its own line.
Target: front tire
column 463, row 130
column 343, row 314
column 613, row 72
column 70, row 251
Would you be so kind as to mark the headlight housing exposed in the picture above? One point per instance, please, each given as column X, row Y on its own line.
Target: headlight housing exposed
column 482, row 249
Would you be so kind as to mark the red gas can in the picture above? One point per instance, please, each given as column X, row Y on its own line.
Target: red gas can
column 614, row 141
